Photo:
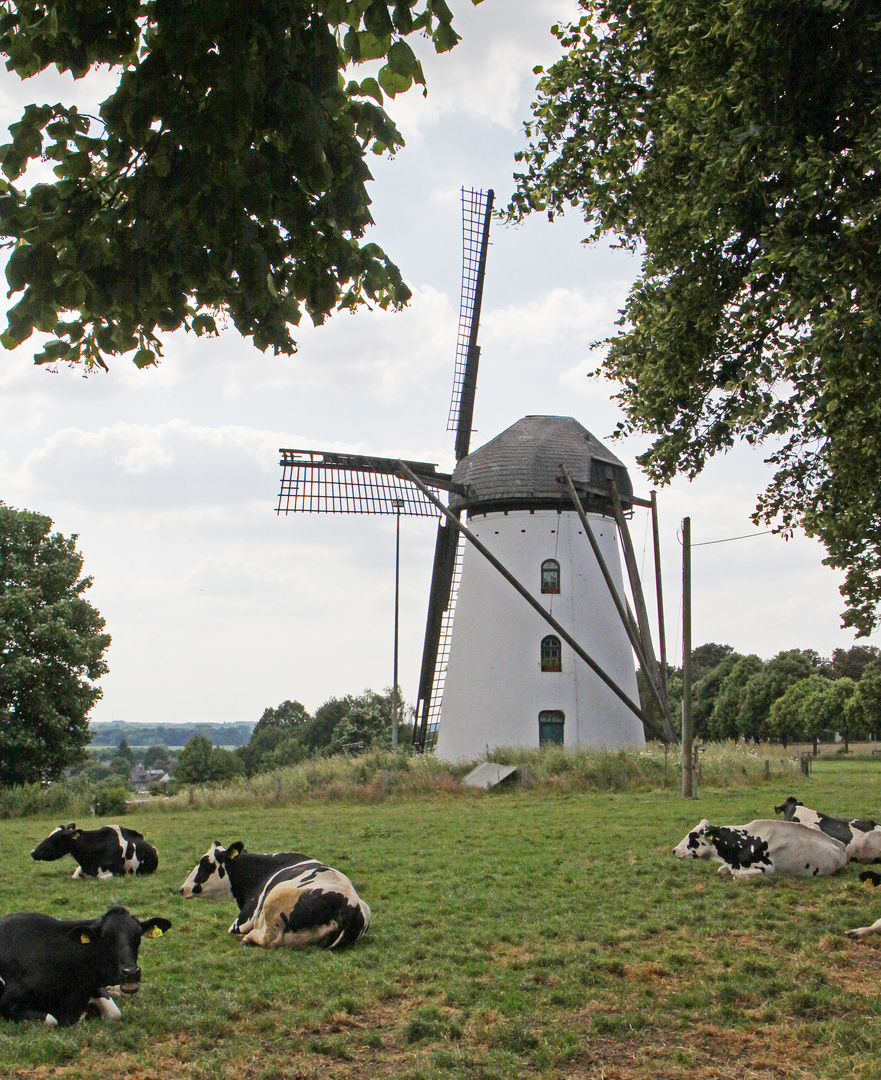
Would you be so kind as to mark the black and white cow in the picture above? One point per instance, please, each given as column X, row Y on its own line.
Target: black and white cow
column 102, row 853
column 764, row 847
column 52, row 970
column 870, row 878
column 861, row 839
column 284, row 899
column 233, row 873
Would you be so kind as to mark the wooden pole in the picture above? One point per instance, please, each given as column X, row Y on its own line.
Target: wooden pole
column 659, row 592
column 688, row 791
column 651, row 667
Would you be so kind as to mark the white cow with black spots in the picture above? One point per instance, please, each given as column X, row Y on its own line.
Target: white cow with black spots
column 764, row 846
column 861, row 837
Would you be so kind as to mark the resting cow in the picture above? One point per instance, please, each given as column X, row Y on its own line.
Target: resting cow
column 763, row 847
column 861, row 839
column 870, row 878
column 224, row 873
column 284, row 899
column 52, row 970
column 102, row 853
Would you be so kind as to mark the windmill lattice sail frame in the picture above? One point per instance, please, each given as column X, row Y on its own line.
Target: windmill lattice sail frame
column 320, row 482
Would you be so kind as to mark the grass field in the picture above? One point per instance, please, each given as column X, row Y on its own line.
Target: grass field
column 515, row 934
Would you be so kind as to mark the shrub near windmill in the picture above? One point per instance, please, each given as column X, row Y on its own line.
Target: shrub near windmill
column 546, row 503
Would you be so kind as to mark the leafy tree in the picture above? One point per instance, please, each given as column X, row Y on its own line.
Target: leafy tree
column 318, row 734
column 276, row 738
column 706, row 658
column 787, row 715
column 851, row 662
column 225, row 175
column 831, row 708
column 724, row 721
column 51, row 649
column 368, row 722
column 156, row 757
column 200, row 762
column 120, row 766
column 124, row 750
column 764, row 687
column 736, row 147
column 868, row 695
column 707, row 687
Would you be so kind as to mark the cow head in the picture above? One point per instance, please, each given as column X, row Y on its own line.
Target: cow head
column 57, row 844
column 113, row 942
column 787, row 808
column 210, row 877
column 698, row 844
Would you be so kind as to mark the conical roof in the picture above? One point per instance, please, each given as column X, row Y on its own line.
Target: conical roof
column 519, row 469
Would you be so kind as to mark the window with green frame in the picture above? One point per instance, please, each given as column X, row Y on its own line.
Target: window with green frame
column 551, row 654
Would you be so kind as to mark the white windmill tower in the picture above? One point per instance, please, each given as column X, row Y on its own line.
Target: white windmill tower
column 510, row 680
column 547, row 503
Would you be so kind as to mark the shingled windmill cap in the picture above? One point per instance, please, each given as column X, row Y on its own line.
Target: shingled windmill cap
column 520, row 469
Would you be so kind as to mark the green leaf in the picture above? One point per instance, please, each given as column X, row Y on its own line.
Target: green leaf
column 144, row 358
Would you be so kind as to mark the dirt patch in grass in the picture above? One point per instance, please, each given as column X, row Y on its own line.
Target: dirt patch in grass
column 704, row 1052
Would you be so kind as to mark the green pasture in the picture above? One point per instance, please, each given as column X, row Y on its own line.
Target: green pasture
column 515, row 934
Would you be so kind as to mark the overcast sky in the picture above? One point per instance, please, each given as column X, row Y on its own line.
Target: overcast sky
column 169, row 476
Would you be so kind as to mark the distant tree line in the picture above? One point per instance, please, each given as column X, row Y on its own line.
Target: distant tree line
column 137, row 734
column 288, row 734
column 796, row 696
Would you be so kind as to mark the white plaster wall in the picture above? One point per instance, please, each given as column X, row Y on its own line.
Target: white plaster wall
column 495, row 687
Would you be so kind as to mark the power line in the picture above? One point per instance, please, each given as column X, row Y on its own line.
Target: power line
column 728, row 539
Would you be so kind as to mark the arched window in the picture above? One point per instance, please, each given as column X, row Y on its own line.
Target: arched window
column 551, row 654
column 550, row 728
column 550, row 576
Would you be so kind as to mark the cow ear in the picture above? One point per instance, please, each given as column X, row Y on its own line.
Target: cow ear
column 155, row 927
column 235, row 849
column 84, row 933
column 711, row 833
column 70, row 827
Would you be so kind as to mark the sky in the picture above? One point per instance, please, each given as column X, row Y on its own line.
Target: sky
column 219, row 608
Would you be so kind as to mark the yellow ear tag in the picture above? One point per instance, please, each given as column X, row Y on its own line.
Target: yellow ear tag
column 233, row 854
column 85, row 939
column 156, row 932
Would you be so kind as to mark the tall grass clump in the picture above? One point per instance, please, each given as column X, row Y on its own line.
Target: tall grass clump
column 366, row 778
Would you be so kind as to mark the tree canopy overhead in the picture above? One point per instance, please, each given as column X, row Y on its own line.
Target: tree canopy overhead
column 224, row 176
column 737, row 147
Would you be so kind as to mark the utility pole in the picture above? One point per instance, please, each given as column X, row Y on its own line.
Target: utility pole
column 688, row 791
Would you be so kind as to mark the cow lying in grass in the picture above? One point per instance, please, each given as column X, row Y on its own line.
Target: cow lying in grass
column 53, row 970
column 112, row 851
column 763, row 847
column 870, row 878
column 861, row 839
column 284, row 899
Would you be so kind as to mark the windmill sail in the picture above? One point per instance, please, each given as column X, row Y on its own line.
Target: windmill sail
column 322, row 482
column 476, row 215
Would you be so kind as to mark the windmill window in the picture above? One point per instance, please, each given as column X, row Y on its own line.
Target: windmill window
column 551, row 654
column 550, row 727
column 550, row 576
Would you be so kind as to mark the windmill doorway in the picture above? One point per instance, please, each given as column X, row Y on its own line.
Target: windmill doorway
column 550, row 727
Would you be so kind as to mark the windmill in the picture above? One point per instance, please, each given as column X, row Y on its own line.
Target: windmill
column 579, row 481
